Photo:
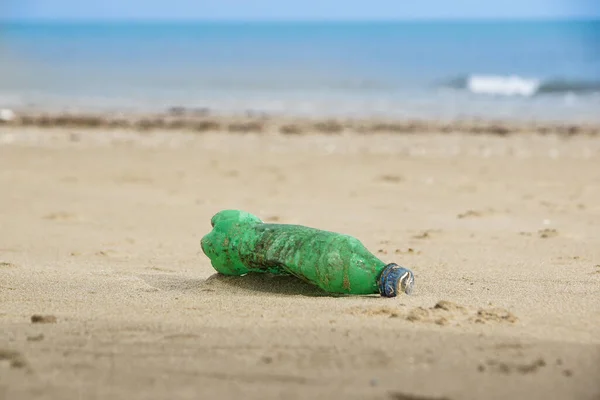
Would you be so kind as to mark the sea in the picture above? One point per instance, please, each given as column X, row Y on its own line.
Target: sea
column 518, row 70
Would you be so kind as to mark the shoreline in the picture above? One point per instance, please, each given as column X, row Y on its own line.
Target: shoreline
column 202, row 120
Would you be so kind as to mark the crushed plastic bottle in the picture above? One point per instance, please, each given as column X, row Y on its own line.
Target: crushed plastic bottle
column 240, row 243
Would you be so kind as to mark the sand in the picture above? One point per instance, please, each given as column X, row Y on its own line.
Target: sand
column 105, row 293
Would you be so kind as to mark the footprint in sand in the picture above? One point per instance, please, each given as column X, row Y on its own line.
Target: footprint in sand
column 442, row 313
column 493, row 315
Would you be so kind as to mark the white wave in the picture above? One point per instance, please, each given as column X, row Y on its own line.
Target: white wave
column 502, row 85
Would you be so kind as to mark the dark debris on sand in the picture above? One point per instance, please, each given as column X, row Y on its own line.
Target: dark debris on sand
column 182, row 119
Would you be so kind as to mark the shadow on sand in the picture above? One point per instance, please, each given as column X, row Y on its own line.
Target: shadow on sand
column 264, row 283
column 251, row 283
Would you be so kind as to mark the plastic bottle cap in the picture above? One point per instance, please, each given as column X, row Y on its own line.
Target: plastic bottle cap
column 395, row 279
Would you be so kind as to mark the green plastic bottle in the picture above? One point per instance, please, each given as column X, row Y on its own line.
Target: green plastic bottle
column 240, row 243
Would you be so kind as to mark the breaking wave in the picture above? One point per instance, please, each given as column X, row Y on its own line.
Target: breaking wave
column 513, row 85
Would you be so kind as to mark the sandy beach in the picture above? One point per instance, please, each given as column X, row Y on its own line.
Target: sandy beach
column 105, row 293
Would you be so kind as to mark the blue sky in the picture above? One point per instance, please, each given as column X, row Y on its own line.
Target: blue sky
column 295, row 9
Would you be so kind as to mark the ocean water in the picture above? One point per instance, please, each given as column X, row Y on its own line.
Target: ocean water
column 447, row 70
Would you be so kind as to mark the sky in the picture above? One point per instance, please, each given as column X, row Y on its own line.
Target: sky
column 295, row 9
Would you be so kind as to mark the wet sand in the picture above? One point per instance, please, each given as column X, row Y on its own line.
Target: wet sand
column 104, row 291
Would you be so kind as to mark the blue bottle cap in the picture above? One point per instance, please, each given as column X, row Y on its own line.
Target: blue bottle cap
column 395, row 279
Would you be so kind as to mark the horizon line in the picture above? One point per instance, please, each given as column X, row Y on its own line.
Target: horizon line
column 581, row 18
